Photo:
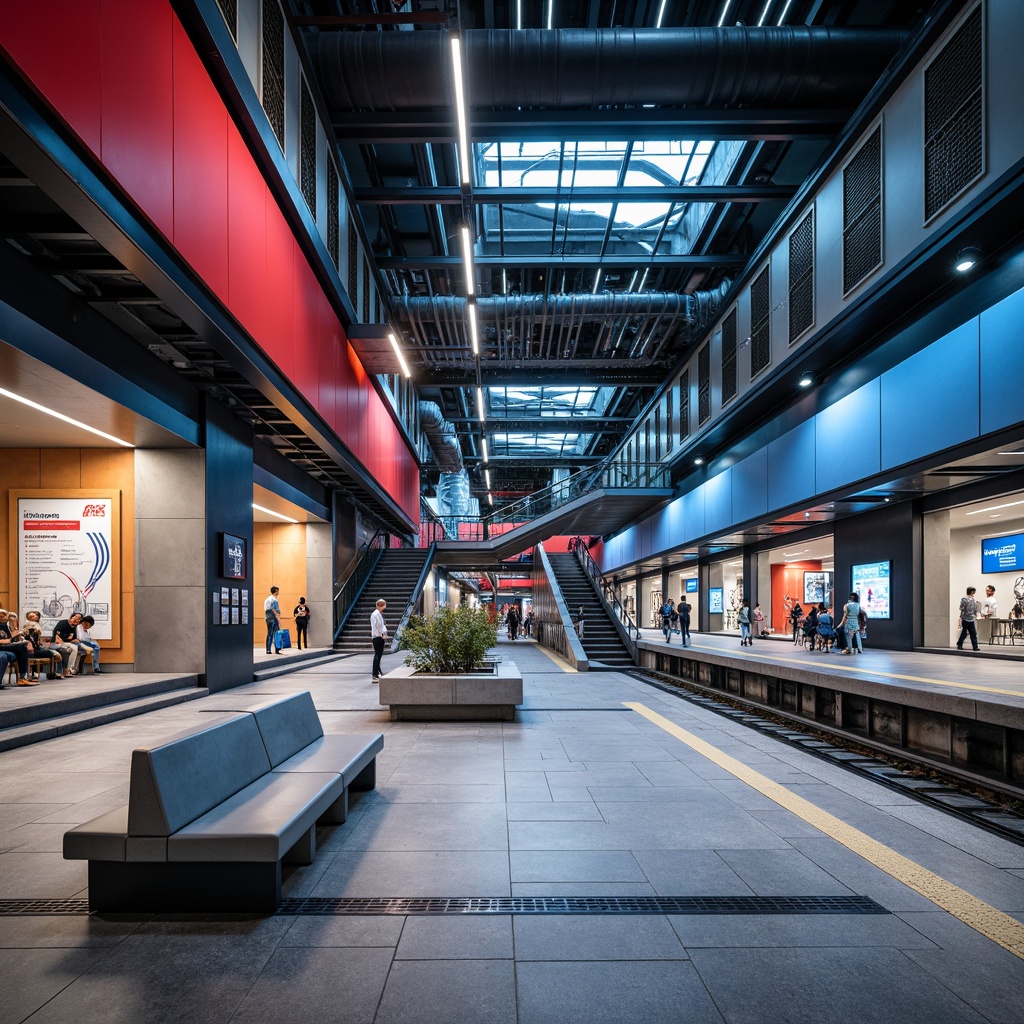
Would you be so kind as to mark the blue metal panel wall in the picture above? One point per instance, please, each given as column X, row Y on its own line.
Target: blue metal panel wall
column 791, row 466
column 693, row 512
column 930, row 401
column 718, row 502
column 750, row 486
column 837, row 461
column 1002, row 364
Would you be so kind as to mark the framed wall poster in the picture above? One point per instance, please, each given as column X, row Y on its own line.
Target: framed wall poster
column 225, row 595
column 67, row 548
column 245, row 598
column 871, row 581
column 245, row 615
column 225, row 615
column 234, row 596
column 716, row 600
column 817, row 588
column 233, row 557
column 234, row 615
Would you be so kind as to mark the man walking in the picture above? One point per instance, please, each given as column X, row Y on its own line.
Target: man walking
column 968, row 613
column 378, row 634
column 272, row 613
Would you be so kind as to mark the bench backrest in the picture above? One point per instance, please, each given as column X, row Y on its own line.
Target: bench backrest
column 182, row 778
column 288, row 725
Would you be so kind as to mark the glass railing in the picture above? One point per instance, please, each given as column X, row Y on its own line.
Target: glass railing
column 611, row 600
column 364, row 563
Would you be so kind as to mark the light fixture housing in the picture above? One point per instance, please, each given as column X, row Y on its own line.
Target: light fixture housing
column 966, row 258
column 474, row 335
column 698, row 460
column 460, row 110
column 806, row 379
column 66, row 419
column 467, row 258
column 271, row 512
column 398, row 352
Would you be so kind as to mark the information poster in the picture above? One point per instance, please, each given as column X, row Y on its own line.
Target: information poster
column 871, row 581
column 66, row 556
column 716, row 600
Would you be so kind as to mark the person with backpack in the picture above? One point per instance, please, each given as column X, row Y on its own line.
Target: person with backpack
column 744, row 621
column 667, row 610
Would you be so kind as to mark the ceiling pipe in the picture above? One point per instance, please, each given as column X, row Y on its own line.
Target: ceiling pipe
column 440, row 435
column 778, row 67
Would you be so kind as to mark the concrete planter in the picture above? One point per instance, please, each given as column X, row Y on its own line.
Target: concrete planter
column 480, row 696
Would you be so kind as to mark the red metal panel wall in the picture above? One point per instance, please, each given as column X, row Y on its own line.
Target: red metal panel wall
column 126, row 79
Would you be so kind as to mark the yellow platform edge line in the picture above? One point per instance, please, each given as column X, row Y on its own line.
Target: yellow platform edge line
column 975, row 913
column 558, row 659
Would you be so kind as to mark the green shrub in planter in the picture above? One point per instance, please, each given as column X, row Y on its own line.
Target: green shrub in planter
column 449, row 640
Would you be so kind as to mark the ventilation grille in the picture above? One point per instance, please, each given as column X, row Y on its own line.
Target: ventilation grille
column 760, row 324
column 333, row 227
column 353, row 263
column 307, row 149
column 862, row 212
column 273, row 67
column 229, row 8
column 684, row 405
column 729, row 357
column 801, row 277
column 953, row 117
column 367, row 278
column 703, row 385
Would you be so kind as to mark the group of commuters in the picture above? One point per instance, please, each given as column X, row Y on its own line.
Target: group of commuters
column 512, row 616
column 272, row 616
column 65, row 649
column 818, row 630
column 676, row 617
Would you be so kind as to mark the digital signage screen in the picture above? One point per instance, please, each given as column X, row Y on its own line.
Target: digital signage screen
column 691, row 586
column 1003, row 554
column 871, row 581
column 716, row 603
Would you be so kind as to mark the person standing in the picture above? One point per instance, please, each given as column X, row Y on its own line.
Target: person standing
column 579, row 623
column 990, row 610
column 301, row 615
column 666, row 619
column 851, row 623
column 968, row 620
column 684, row 608
column 513, row 622
column 796, row 613
column 758, row 620
column 743, row 617
column 378, row 634
column 272, row 614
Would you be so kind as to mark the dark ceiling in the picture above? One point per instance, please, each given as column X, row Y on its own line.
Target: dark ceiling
column 627, row 159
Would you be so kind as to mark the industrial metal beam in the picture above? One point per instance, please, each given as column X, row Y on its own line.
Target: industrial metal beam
column 549, row 424
column 539, row 261
column 416, row 195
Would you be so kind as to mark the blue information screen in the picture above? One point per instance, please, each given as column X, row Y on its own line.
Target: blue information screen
column 1003, row 554
column 691, row 586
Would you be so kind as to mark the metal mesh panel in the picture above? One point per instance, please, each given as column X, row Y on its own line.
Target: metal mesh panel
column 229, row 8
column 703, row 385
column 801, row 277
column 307, row 149
column 333, row 227
column 953, row 117
column 367, row 278
column 273, row 67
column 684, row 405
column 862, row 212
column 353, row 263
column 760, row 323
column 729, row 386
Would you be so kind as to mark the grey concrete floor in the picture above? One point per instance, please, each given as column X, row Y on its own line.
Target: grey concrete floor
column 579, row 796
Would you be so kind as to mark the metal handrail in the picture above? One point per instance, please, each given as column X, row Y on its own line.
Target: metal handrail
column 367, row 557
column 629, row 628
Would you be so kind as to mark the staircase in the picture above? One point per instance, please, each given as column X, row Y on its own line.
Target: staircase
column 394, row 578
column 601, row 639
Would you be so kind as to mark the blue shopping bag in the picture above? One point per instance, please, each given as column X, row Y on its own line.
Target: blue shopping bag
column 282, row 639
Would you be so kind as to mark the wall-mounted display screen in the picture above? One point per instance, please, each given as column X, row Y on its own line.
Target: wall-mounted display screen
column 716, row 600
column 691, row 586
column 871, row 581
column 817, row 588
column 1003, row 554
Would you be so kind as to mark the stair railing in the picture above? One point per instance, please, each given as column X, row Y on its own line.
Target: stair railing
column 628, row 629
column 415, row 605
column 366, row 560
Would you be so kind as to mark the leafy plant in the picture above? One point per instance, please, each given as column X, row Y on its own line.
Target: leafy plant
column 449, row 640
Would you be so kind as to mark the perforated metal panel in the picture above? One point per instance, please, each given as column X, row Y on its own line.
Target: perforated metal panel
column 353, row 263
column 229, row 8
column 704, row 385
column 684, row 404
column 273, row 67
column 862, row 212
column 760, row 323
column 367, row 278
column 801, row 277
column 954, row 116
column 729, row 386
column 333, row 211
column 307, row 148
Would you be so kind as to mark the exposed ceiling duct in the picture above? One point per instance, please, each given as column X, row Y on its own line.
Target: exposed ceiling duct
column 805, row 66
column 440, row 435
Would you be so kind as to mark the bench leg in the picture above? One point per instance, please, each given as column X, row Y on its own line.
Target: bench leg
column 367, row 778
column 154, row 887
column 337, row 813
column 304, row 851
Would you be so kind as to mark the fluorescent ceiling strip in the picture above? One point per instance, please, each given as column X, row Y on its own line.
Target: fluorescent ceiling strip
column 460, row 109
column 764, row 13
column 401, row 358
column 487, row 477
column 661, row 13
column 785, row 11
column 66, row 419
column 992, row 508
column 551, row 11
column 271, row 512
column 473, row 329
column 519, row 13
column 480, row 403
column 597, row 281
column 467, row 256
column 725, row 13
column 483, row 442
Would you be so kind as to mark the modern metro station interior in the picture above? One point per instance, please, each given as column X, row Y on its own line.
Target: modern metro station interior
column 563, row 310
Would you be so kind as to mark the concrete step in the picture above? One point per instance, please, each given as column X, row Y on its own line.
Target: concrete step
column 295, row 663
